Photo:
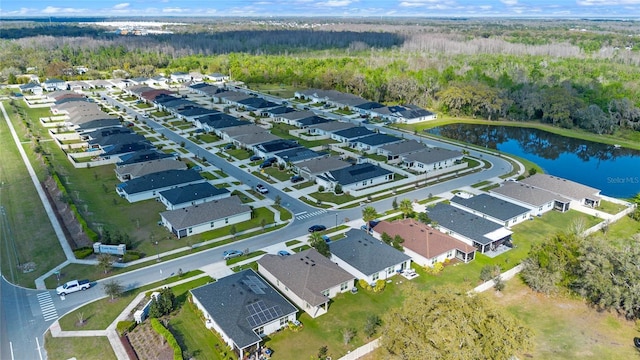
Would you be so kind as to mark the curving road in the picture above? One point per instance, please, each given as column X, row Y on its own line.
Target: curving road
column 25, row 316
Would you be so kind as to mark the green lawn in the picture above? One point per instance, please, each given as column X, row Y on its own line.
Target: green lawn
column 101, row 313
column 245, row 257
column 207, row 138
column 282, row 130
column 303, row 185
column 292, row 242
column 481, row 183
column 24, row 242
column 276, row 173
column 345, row 310
column 330, row 197
column 193, row 337
column 621, row 232
column 284, row 213
column 239, row 154
column 96, row 347
column 279, row 90
column 609, row 207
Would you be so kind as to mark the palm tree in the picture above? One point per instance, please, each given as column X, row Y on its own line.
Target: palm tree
column 369, row 214
column 406, row 207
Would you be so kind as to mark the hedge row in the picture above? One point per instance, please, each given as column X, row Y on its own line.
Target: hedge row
column 160, row 329
column 82, row 252
column 83, row 223
column 125, row 327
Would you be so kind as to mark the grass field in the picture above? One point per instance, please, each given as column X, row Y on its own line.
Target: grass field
column 101, row 313
column 95, row 347
column 28, row 235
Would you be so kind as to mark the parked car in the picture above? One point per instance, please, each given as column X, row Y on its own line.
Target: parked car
column 73, row 286
column 326, row 238
column 229, row 146
column 283, row 253
column 255, row 158
column 261, row 189
column 296, row 178
column 230, row 254
column 315, row 228
column 265, row 164
column 271, row 160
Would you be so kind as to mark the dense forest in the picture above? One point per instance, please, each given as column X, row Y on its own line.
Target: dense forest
column 581, row 74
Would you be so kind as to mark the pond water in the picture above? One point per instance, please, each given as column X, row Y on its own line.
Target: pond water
column 615, row 171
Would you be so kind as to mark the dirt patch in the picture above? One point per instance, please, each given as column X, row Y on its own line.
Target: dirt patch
column 70, row 225
column 148, row 344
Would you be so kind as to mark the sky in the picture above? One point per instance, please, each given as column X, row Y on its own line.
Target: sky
column 623, row 9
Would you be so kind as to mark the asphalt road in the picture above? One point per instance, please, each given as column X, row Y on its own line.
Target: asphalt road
column 26, row 314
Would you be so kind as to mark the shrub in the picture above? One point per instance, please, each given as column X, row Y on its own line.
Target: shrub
column 320, row 188
column 171, row 340
column 131, row 256
column 380, row 285
column 82, row 252
column 124, row 327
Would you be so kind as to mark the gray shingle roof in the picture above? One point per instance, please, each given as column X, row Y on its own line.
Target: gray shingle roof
column 205, row 212
column 298, row 154
column 365, row 253
column 492, row 206
column 357, row 173
column 378, row 139
column 354, row 132
column 527, row 194
column 432, row 155
column 150, row 167
column 160, row 180
column 278, row 145
column 332, row 126
column 297, row 115
column 232, row 303
column 192, row 192
column 312, row 120
column 306, row 273
column 563, row 187
column 464, row 223
column 317, row 166
column 141, row 156
column 404, row 147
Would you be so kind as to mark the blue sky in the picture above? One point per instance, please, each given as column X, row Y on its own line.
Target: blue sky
column 427, row 8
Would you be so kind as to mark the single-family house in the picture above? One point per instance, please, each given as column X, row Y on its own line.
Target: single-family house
column 196, row 76
column 310, row 169
column 142, row 156
column 157, row 80
column 355, row 177
column 216, row 123
column 405, row 114
column 271, row 147
column 424, row 244
column 539, row 201
column 196, row 219
column 394, row 151
column 205, row 89
column 180, row 76
column 484, row 234
column 253, row 103
column 31, row 87
column 132, row 171
column 243, row 308
column 371, row 143
column 54, row 84
column 309, row 121
column 306, row 278
column 190, row 113
column 193, row 194
column 498, row 210
column 366, row 257
column 217, row 77
column 291, row 118
column 328, row 128
column 576, row 192
column 431, row 158
column 296, row 155
column 245, row 128
column 150, row 185
column 351, row 134
column 250, row 140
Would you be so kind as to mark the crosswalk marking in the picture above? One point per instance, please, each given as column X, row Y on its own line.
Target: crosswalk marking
column 46, row 305
column 310, row 215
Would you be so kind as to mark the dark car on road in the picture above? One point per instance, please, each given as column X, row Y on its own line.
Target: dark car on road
column 296, row 178
column 315, row 228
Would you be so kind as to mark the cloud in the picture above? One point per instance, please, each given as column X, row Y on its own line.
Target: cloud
column 509, row 2
column 335, row 3
column 607, row 2
column 57, row 10
column 425, row 3
column 121, row 6
column 171, row 10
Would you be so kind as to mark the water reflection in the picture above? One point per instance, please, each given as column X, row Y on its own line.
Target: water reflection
column 590, row 163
